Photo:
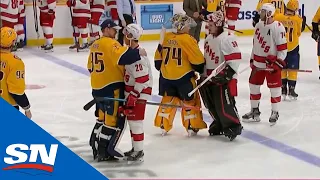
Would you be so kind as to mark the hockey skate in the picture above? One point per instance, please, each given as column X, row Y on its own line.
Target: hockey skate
column 284, row 92
column 74, row 47
column 128, row 153
column 136, row 156
column 215, row 129
column 84, row 47
column 163, row 131
column 43, row 46
column 48, row 48
column 273, row 118
column 292, row 94
column 233, row 132
column 253, row 116
column 106, row 158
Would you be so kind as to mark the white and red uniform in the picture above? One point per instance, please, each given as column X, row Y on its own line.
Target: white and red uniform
column 96, row 8
column 13, row 16
column 232, row 8
column 19, row 27
column 138, row 79
column 47, row 16
column 220, row 49
column 112, row 8
column 80, row 17
column 268, row 40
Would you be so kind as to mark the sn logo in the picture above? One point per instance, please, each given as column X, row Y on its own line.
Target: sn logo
column 21, row 156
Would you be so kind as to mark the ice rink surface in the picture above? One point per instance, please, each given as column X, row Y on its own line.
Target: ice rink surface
column 290, row 149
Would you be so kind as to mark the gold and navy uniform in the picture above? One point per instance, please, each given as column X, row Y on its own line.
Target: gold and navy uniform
column 215, row 5
column 293, row 26
column 278, row 4
column 12, row 80
column 177, row 59
column 106, row 66
column 315, row 25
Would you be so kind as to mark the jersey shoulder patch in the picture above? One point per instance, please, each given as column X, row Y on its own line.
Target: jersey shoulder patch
column 16, row 57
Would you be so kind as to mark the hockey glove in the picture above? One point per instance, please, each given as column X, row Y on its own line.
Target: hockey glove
column 224, row 76
column 132, row 99
column 255, row 20
column 274, row 63
column 70, row 3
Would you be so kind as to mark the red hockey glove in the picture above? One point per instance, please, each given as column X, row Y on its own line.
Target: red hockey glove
column 132, row 99
column 21, row 20
column 251, row 64
column 123, row 111
column 271, row 59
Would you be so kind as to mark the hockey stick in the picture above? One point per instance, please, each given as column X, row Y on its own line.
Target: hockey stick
column 213, row 74
column 294, row 70
column 100, row 99
column 74, row 31
column 309, row 27
column 234, row 30
column 35, row 16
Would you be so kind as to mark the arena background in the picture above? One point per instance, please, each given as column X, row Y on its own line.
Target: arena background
column 150, row 14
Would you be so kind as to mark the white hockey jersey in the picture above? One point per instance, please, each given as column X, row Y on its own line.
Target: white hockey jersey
column 10, row 10
column 97, row 5
column 268, row 40
column 138, row 77
column 81, row 8
column 220, row 49
column 45, row 5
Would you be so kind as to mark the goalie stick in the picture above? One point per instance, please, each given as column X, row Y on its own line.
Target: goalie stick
column 295, row 70
column 213, row 74
column 35, row 16
column 100, row 99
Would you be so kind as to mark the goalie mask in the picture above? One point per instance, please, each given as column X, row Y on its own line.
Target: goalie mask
column 180, row 21
column 217, row 18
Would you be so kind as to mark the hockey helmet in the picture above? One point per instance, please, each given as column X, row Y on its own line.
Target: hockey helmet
column 268, row 8
column 217, row 17
column 8, row 37
column 293, row 5
column 180, row 21
column 135, row 30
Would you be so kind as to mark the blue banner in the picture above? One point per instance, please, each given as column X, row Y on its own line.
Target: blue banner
column 29, row 152
column 154, row 16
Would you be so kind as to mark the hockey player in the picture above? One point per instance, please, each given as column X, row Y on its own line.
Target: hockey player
column 12, row 73
column 19, row 27
column 316, row 32
column 138, row 87
column 10, row 13
column 177, row 59
column 108, row 57
column 218, row 95
column 278, row 4
column 96, row 8
column 269, row 51
column 294, row 25
column 47, row 16
column 80, row 19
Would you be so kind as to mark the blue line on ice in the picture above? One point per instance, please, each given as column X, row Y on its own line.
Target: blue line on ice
column 273, row 144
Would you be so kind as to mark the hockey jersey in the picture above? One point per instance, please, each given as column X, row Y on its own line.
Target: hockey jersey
column 268, row 39
column 45, row 5
column 10, row 10
column 97, row 6
column 316, row 18
column 214, row 4
column 138, row 77
column 293, row 26
column 223, row 48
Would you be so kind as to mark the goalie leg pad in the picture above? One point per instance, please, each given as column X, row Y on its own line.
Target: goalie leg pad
column 165, row 115
column 191, row 117
column 93, row 142
column 116, row 137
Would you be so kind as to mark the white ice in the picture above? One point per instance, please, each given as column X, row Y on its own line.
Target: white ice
column 58, row 109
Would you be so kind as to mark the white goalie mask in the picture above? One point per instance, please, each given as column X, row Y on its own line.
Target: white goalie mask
column 133, row 30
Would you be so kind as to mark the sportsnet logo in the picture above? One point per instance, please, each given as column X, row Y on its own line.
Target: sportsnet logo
column 21, row 156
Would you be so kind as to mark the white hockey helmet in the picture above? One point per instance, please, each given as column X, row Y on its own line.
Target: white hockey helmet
column 135, row 30
column 268, row 8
